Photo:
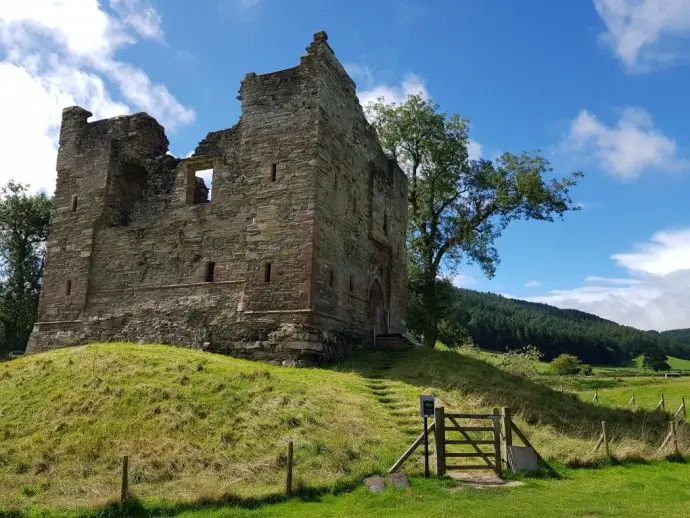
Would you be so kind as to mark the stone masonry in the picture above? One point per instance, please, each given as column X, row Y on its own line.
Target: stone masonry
column 298, row 256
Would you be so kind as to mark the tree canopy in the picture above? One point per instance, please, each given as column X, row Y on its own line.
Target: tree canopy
column 24, row 224
column 458, row 207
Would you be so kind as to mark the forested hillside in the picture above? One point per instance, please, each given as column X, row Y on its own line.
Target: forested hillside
column 680, row 336
column 499, row 323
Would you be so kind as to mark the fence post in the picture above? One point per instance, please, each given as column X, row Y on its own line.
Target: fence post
column 288, row 480
column 675, row 438
column 662, row 403
column 631, row 401
column 439, row 441
column 595, row 399
column 507, row 432
column 124, row 490
column 606, row 438
column 498, row 468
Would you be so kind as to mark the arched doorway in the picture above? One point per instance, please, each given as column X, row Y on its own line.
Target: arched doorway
column 377, row 311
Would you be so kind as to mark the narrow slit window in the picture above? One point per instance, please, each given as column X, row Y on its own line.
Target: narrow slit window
column 203, row 186
column 210, row 271
column 267, row 272
column 330, row 277
column 74, row 203
column 68, row 288
column 385, row 223
column 352, row 284
column 274, row 172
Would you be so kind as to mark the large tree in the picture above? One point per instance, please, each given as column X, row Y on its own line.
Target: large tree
column 24, row 224
column 458, row 207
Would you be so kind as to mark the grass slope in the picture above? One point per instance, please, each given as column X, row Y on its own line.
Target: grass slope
column 194, row 425
column 202, row 426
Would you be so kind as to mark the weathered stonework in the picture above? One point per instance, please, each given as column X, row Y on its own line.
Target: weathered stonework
column 298, row 257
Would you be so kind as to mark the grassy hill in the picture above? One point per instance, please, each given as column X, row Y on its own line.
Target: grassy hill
column 198, row 425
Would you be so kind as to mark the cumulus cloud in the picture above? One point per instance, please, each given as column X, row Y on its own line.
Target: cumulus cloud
column 411, row 84
column 645, row 33
column 627, row 149
column 532, row 284
column 58, row 53
column 654, row 293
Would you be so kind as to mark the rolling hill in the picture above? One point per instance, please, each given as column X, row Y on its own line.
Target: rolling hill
column 498, row 323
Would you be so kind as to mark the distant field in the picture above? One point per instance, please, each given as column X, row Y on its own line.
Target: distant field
column 647, row 392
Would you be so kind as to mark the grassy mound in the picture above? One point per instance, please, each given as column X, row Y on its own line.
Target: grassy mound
column 202, row 426
column 194, row 425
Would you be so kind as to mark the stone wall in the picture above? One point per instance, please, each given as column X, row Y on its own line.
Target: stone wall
column 306, row 215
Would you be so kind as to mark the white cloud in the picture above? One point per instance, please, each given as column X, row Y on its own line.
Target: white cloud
column 532, row 284
column 58, row 53
column 474, row 150
column 655, row 294
column 410, row 85
column 142, row 18
column 627, row 150
column 665, row 253
column 645, row 33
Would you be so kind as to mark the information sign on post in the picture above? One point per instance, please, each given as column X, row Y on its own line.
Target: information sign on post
column 426, row 406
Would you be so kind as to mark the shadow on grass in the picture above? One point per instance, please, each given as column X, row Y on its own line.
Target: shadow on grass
column 535, row 403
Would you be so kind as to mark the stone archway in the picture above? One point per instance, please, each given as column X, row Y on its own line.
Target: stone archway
column 377, row 311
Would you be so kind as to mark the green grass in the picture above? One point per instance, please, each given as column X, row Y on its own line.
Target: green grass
column 678, row 363
column 617, row 392
column 193, row 424
column 199, row 426
column 631, row 490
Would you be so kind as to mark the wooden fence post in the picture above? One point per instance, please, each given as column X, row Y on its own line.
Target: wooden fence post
column 124, row 489
column 631, row 401
column 606, row 438
column 507, row 432
column 675, row 438
column 662, row 403
column 595, row 399
column 288, row 480
column 439, row 441
column 498, row 468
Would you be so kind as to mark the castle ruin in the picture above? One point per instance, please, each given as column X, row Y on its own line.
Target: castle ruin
column 298, row 256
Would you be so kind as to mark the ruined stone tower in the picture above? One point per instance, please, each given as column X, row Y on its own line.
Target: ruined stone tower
column 299, row 254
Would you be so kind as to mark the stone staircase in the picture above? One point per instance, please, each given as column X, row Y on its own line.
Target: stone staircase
column 394, row 342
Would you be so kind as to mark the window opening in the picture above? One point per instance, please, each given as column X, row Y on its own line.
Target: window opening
column 74, row 203
column 267, row 272
column 330, row 277
column 203, row 185
column 210, row 271
column 385, row 223
column 274, row 172
column 68, row 288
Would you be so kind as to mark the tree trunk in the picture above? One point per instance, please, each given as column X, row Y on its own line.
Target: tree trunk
column 431, row 320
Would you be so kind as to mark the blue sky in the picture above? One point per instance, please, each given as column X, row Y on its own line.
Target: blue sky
column 597, row 85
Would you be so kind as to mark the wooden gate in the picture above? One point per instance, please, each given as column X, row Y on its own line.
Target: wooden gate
column 455, row 434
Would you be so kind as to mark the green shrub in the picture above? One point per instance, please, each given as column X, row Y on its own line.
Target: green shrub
column 566, row 364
